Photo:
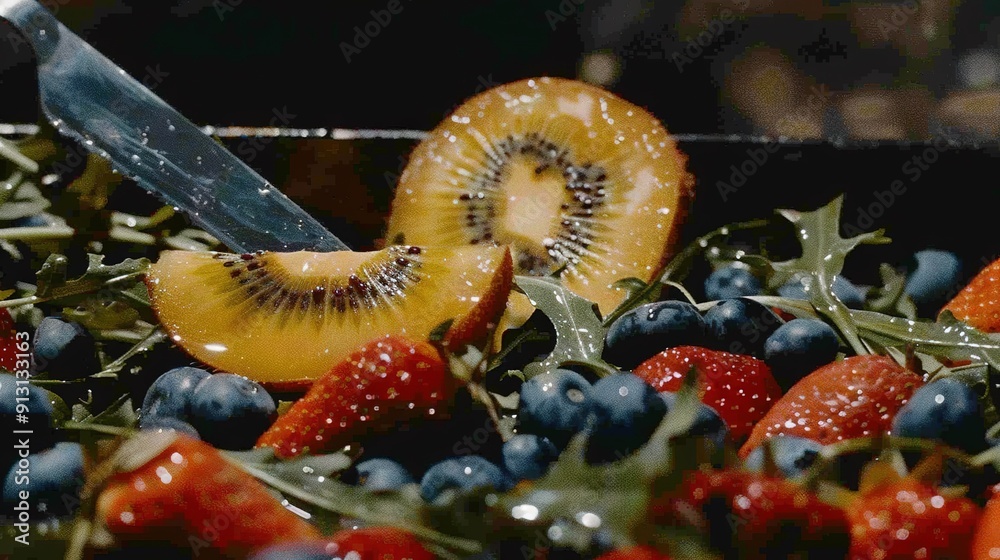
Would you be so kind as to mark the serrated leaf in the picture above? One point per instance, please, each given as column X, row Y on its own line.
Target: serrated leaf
column 120, row 414
column 823, row 254
column 891, row 297
column 53, row 284
column 579, row 333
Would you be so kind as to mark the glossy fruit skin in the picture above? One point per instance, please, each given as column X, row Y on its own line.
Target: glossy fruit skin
column 634, row 553
column 946, row 410
column 731, row 282
column 626, row 412
column 792, row 455
column 740, row 388
column 378, row 543
column 850, row 295
column 740, row 326
column 908, row 519
column 527, row 456
column 167, row 423
column 53, row 480
column 641, row 333
column 986, row 543
column 190, row 496
column 230, row 411
column 798, row 348
column 462, row 473
column 749, row 515
column 170, row 395
column 64, row 350
column 936, row 276
column 388, row 381
column 8, row 342
column 382, row 474
column 555, row 405
column 707, row 423
column 39, row 413
column 978, row 304
column 813, row 407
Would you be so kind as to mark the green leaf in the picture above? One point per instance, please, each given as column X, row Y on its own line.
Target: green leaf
column 891, row 297
column 823, row 254
column 53, row 284
column 579, row 333
column 100, row 313
column 638, row 292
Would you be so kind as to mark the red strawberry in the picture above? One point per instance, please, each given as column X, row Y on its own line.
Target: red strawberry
column 740, row 388
column 986, row 544
column 369, row 543
column 189, row 495
column 751, row 515
column 388, row 381
column 856, row 397
column 634, row 553
column 908, row 519
column 978, row 304
column 8, row 342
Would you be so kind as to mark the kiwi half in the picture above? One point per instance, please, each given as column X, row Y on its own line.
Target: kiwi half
column 284, row 319
column 567, row 174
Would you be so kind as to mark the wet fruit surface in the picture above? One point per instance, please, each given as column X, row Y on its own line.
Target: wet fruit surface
column 562, row 171
column 289, row 317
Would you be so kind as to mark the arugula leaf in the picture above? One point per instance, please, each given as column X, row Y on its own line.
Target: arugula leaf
column 579, row 333
column 823, row 254
column 891, row 298
column 53, row 284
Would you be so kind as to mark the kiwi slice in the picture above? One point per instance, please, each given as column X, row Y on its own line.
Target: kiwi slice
column 285, row 319
column 571, row 177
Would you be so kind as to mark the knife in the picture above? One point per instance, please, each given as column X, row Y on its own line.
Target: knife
column 90, row 99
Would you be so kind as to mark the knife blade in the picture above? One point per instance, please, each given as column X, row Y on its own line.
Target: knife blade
column 90, row 99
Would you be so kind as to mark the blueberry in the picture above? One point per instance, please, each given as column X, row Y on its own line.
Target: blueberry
column 555, row 405
column 740, row 326
column 527, row 456
column 849, row 294
column 231, row 411
column 312, row 550
column 707, row 423
column 39, row 417
column 39, row 220
column 793, row 455
column 64, row 350
column 648, row 329
column 626, row 412
column 382, row 474
column 798, row 348
column 462, row 473
column 731, row 282
column 168, row 423
column 55, row 480
column 170, row 395
column 946, row 410
column 936, row 275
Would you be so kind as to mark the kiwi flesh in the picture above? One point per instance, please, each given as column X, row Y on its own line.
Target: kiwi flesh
column 576, row 180
column 284, row 319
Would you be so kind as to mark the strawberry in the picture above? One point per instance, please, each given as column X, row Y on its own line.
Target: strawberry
column 369, row 543
column 740, row 388
column 184, row 492
column 388, row 381
column 8, row 342
column 978, row 304
column 752, row 515
column 986, row 543
column 856, row 397
column 907, row 518
column 634, row 553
